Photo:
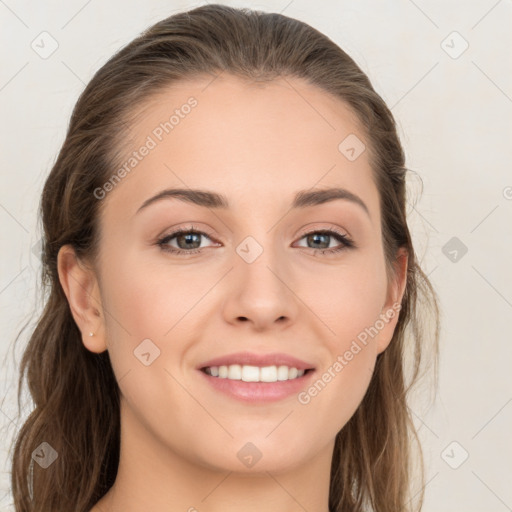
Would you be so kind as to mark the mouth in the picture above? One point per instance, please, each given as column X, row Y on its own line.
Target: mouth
column 257, row 378
column 257, row 385
column 250, row 373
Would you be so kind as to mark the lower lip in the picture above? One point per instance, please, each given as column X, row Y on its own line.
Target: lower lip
column 261, row 392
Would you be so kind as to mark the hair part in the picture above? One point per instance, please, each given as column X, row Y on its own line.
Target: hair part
column 75, row 393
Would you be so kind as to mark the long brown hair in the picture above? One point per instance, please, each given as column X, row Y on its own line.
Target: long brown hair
column 74, row 391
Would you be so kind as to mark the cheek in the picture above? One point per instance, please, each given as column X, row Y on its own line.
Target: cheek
column 146, row 298
column 348, row 299
column 147, row 301
column 144, row 312
column 349, row 305
column 340, row 385
column 337, row 392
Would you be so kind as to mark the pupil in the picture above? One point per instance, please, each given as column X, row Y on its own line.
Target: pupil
column 315, row 236
column 188, row 237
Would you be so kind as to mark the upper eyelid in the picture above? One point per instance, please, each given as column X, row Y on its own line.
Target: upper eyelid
column 312, row 226
column 335, row 229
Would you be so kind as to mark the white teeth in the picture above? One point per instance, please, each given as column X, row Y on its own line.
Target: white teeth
column 268, row 374
column 249, row 373
column 282, row 373
column 234, row 372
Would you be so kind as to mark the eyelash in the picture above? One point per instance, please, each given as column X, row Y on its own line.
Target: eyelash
column 346, row 242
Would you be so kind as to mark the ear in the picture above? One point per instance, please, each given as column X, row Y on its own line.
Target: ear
column 81, row 288
column 391, row 309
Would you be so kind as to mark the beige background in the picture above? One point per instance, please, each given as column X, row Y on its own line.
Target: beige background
column 454, row 109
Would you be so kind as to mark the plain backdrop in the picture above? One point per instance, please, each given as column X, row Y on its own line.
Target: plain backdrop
column 444, row 68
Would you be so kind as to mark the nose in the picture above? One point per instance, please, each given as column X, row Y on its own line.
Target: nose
column 261, row 294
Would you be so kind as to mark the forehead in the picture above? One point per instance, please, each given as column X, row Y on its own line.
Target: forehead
column 255, row 141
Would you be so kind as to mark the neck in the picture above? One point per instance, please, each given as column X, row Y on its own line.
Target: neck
column 152, row 476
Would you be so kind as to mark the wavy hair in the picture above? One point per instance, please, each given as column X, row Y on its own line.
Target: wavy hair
column 74, row 391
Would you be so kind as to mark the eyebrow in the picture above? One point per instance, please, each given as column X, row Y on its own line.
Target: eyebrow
column 208, row 199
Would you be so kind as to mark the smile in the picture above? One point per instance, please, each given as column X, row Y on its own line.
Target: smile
column 248, row 373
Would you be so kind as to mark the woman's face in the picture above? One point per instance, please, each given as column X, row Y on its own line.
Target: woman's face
column 253, row 288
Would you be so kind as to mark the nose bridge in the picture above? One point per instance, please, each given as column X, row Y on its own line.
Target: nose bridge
column 260, row 291
column 260, row 261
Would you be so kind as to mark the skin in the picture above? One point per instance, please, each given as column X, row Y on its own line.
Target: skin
column 257, row 144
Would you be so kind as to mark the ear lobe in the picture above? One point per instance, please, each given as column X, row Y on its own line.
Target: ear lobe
column 82, row 292
column 391, row 309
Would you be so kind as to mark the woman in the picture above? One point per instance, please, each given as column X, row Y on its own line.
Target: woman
column 232, row 283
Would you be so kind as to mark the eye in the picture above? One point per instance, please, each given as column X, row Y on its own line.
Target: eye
column 321, row 239
column 188, row 241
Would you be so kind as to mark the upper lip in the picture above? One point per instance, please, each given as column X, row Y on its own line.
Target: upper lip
column 248, row 358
